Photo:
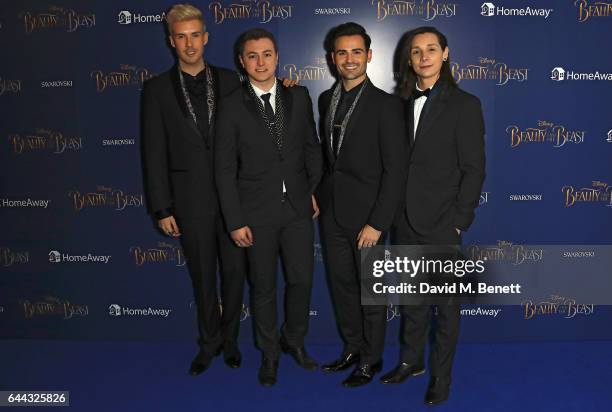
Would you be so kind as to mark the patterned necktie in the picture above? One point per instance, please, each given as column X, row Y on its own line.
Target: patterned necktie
column 271, row 117
column 268, row 107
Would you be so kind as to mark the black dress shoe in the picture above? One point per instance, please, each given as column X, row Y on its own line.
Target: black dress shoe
column 302, row 358
column 345, row 362
column 233, row 360
column 267, row 372
column 362, row 375
column 199, row 364
column 402, row 372
column 437, row 391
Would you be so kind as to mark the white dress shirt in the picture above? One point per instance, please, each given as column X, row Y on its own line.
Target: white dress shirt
column 272, row 91
column 418, row 107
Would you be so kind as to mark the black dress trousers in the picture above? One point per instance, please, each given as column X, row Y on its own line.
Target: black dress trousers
column 416, row 319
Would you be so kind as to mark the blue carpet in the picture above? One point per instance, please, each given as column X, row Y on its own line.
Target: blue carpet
column 142, row 376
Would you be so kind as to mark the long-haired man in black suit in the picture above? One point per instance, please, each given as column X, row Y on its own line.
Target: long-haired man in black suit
column 446, row 169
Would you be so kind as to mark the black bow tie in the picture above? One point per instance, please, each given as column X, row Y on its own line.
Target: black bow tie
column 420, row 93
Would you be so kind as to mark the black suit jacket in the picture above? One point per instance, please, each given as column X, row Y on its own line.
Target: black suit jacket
column 364, row 184
column 446, row 166
column 249, row 168
column 177, row 162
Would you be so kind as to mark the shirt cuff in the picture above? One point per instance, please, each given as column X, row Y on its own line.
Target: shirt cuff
column 162, row 214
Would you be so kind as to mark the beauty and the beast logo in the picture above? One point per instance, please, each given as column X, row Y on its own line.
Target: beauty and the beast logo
column 105, row 197
column 52, row 306
column 545, row 133
column 261, row 10
column 556, row 305
column 489, row 69
column 58, row 18
column 309, row 72
column 163, row 253
column 599, row 192
column 9, row 257
column 45, row 140
column 506, row 251
column 588, row 9
column 9, row 86
column 126, row 76
column 425, row 9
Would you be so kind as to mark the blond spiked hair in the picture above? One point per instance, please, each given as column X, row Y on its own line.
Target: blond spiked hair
column 184, row 12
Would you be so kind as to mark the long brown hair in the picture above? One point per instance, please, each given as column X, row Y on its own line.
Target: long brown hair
column 407, row 76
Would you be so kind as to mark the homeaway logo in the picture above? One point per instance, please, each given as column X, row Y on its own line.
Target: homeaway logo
column 127, row 17
column 609, row 139
column 116, row 310
column 487, row 9
column 29, row 202
column 480, row 312
column 490, row 10
column 558, row 74
column 57, row 257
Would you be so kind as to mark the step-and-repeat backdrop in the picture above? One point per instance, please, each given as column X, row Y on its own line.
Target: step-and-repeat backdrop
column 81, row 259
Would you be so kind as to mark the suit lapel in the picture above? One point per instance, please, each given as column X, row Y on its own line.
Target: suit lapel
column 434, row 106
column 410, row 121
column 251, row 105
column 178, row 93
column 211, row 126
column 326, row 131
column 287, row 102
column 355, row 116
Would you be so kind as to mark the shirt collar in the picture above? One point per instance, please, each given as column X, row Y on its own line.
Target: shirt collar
column 419, row 89
column 259, row 92
column 200, row 74
column 354, row 90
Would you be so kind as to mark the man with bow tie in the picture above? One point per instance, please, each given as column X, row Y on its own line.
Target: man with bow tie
column 446, row 170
